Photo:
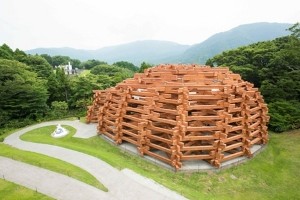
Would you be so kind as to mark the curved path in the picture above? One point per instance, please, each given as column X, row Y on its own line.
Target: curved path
column 124, row 184
column 47, row 182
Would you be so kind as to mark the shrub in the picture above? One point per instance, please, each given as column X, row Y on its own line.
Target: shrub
column 285, row 115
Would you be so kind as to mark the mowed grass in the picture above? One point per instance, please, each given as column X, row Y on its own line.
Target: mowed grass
column 12, row 191
column 50, row 163
column 273, row 174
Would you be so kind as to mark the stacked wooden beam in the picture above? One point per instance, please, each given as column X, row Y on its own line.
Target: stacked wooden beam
column 176, row 113
column 99, row 100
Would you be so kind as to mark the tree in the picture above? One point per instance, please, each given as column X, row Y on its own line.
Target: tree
column 63, row 85
column 22, row 93
column 295, row 29
column 144, row 66
column 19, row 55
column 91, row 63
column 105, row 81
column 285, row 115
column 117, row 74
column 6, row 52
column 75, row 63
column 105, row 69
column 247, row 72
column 82, row 90
column 126, row 65
column 60, row 60
column 38, row 64
column 53, row 89
column 59, row 108
column 48, row 58
column 271, row 92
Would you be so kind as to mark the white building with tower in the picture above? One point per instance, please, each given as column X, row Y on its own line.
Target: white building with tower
column 67, row 68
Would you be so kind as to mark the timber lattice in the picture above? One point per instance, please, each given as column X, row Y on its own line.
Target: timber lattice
column 176, row 113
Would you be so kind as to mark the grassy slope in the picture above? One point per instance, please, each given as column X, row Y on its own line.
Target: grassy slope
column 50, row 163
column 11, row 191
column 273, row 174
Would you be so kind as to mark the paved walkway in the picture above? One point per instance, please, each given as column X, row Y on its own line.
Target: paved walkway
column 124, row 184
column 47, row 182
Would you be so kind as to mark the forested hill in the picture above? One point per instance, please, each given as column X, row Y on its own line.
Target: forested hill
column 274, row 67
column 32, row 89
column 155, row 52
column 236, row 37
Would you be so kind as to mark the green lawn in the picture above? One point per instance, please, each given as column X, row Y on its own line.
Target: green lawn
column 11, row 191
column 50, row 163
column 273, row 174
column 4, row 132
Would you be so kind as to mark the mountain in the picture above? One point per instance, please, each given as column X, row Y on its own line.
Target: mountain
column 63, row 51
column 151, row 51
column 236, row 37
column 155, row 52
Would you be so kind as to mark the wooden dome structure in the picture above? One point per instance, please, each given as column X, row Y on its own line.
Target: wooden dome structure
column 176, row 113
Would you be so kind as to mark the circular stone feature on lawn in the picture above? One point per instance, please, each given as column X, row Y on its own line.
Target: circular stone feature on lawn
column 184, row 113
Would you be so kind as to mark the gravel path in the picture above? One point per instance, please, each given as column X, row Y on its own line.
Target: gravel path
column 124, row 184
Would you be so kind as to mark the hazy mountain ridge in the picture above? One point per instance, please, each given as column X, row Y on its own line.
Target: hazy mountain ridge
column 236, row 37
column 153, row 51
column 63, row 51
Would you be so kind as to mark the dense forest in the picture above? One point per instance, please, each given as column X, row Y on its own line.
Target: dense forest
column 33, row 88
column 273, row 67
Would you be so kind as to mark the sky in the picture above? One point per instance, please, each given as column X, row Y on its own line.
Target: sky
column 92, row 24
